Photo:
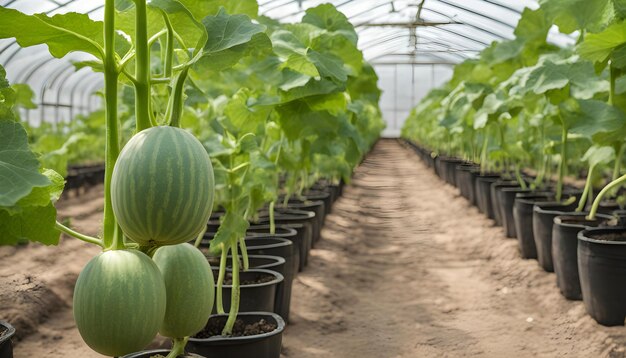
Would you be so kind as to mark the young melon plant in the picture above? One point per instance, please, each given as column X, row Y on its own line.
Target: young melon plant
column 158, row 190
column 527, row 103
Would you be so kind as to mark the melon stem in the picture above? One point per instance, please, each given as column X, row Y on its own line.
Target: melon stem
column 235, row 294
column 220, row 279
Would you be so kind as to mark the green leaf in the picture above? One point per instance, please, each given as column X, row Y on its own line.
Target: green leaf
column 36, row 223
column 328, row 65
column 19, row 168
column 302, row 64
column 62, row 33
column 226, row 31
column 183, row 21
column 232, row 228
column 599, row 155
column 244, row 113
column 588, row 117
column 311, row 88
column 552, row 75
column 285, row 43
column 342, row 48
column 598, row 47
column 204, row 8
column 326, row 16
column 41, row 196
column 334, row 103
column 572, row 15
column 24, row 96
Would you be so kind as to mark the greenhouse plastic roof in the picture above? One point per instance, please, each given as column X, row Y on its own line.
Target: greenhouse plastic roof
column 390, row 32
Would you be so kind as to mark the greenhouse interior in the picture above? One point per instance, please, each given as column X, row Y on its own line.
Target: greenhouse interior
column 312, row 178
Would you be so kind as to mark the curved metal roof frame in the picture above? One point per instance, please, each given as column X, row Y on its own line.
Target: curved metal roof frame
column 390, row 31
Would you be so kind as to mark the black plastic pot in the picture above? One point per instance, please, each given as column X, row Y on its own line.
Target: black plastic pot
column 602, row 268
column 317, row 206
column 319, row 195
column 254, row 297
column 507, row 203
column 464, row 180
column 6, row 344
column 498, row 210
column 283, row 232
column 543, row 220
column 483, row 193
column 267, row 345
column 214, row 221
column 620, row 216
column 523, row 218
column 163, row 352
column 283, row 290
column 564, row 250
column 302, row 222
column 282, row 248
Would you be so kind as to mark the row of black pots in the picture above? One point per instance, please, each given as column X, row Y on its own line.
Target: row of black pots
column 587, row 265
column 280, row 255
column 6, row 334
column 84, row 177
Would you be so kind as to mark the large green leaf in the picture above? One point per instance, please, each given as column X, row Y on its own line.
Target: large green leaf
column 226, row 31
column 599, row 155
column 183, row 21
column 572, row 15
column 203, row 8
column 41, row 196
column 62, row 33
column 285, row 43
column 598, row 47
column 245, row 113
column 233, row 227
column 257, row 47
column 588, row 117
column 326, row 16
column 35, row 223
column 328, row 65
column 311, row 88
column 551, row 75
column 19, row 168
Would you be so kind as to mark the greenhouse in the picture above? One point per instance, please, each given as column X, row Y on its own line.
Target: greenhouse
column 304, row 178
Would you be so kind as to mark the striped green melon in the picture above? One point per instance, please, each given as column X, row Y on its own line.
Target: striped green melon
column 162, row 187
column 119, row 302
column 190, row 289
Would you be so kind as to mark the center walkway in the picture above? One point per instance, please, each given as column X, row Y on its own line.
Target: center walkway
column 406, row 268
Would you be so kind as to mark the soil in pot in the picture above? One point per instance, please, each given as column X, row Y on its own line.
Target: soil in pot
column 564, row 250
column 260, row 345
column 159, row 353
column 523, row 218
column 240, row 329
column 602, row 269
column 259, row 289
column 543, row 220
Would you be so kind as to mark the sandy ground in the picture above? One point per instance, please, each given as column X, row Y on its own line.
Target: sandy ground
column 406, row 268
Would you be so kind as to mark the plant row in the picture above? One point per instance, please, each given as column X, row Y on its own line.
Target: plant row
column 513, row 124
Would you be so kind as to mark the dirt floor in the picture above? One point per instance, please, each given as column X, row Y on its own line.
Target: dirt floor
column 406, row 268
